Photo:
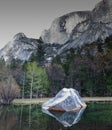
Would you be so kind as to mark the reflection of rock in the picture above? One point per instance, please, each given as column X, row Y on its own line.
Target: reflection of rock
column 65, row 100
column 67, row 118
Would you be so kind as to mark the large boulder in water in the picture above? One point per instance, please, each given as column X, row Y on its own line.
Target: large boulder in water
column 65, row 100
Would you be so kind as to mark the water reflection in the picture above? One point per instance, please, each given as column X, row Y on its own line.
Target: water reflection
column 31, row 117
column 16, row 117
column 8, row 118
column 67, row 119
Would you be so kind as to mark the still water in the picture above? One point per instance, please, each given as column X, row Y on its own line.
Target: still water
column 94, row 117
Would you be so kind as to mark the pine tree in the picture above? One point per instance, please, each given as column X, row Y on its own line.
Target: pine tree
column 37, row 79
column 40, row 52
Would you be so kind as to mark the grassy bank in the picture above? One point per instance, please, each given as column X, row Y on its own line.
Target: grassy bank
column 28, row 101
column 42, row 100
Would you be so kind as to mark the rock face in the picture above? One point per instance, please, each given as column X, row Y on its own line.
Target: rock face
column 78, row 28
column 20, row 48
column 67, row 119
column 62, row 27
column 103, row 12
column 66, row 100
column 69, row 31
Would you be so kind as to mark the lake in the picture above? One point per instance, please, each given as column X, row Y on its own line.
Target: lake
column 97, row 116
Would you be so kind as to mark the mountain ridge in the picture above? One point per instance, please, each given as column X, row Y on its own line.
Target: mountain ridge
column 71, row 30
column 20, row 47
column 78, row 28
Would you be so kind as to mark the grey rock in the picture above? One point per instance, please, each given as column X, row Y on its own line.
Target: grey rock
column 61, row 28
column 78, row 28
column 69, row 31
column 19, row 48
column 66, row 100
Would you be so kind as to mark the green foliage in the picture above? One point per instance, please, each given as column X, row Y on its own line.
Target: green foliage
column 109, row 85
column 89, row 68
column 37, row 77
column 108, row 42
column 89, row 87
column 99, row 45
column 57, row 60
column 70, row 57
column 40, row 53
column 56, row 76
column 38, row 56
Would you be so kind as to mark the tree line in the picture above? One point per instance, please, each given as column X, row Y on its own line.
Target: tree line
column 87, row 69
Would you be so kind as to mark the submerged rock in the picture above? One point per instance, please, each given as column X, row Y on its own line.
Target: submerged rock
column 66, row 100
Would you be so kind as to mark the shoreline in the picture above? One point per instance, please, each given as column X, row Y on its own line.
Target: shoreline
column 42, row 100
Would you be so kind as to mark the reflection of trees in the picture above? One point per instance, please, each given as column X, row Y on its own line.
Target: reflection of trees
column 21, row 115
column 31, row 117
column 89, row 121
column 8, row 118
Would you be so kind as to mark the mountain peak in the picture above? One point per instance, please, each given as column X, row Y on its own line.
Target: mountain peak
column 20, row 48
column 19, row 36
column 80, row 26
column 108, row 1
column 71, row 30
column 103, row 12
column 104, row 4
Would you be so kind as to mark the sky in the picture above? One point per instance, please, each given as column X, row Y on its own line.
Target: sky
column 33, row 16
